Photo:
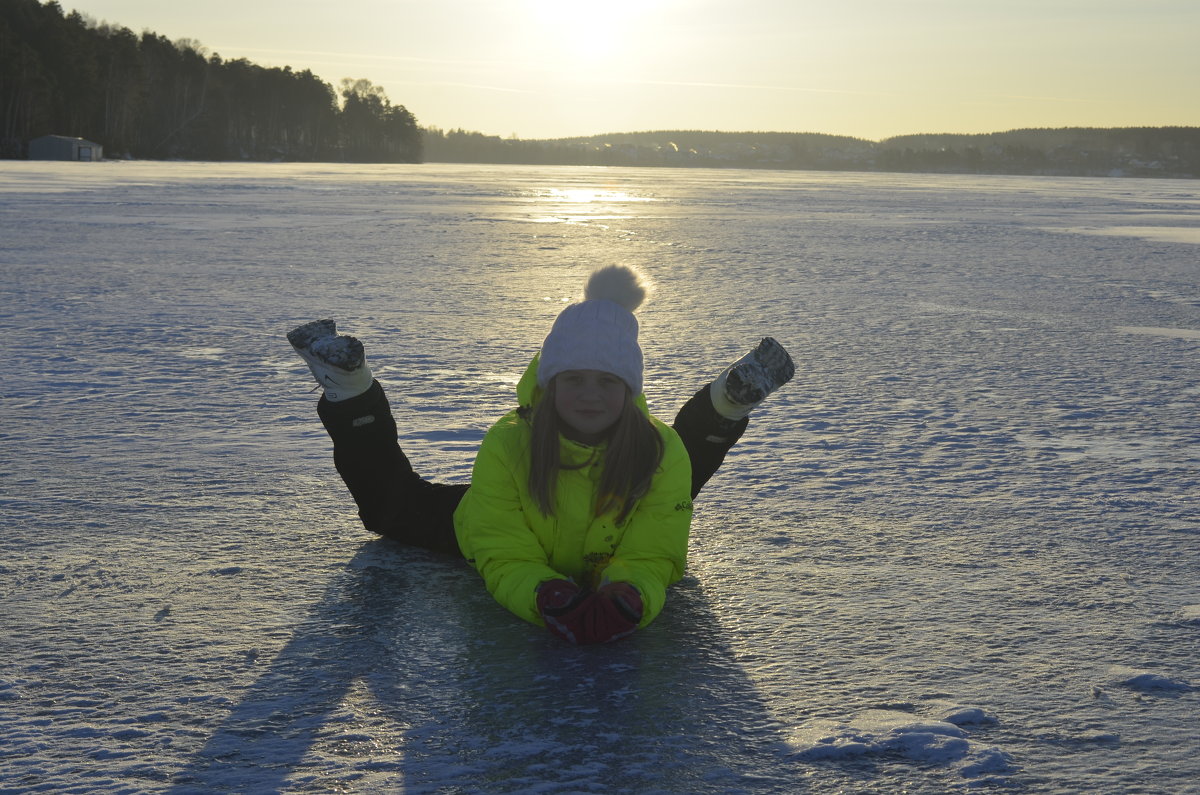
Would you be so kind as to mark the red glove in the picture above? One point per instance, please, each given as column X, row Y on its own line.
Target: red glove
column 626, row 598
column 557, row 597
column 584, row 618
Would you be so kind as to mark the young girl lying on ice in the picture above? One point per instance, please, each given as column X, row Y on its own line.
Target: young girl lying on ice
column 580, row 500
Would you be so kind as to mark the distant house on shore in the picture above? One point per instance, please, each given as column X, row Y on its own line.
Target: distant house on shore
column 60, row 147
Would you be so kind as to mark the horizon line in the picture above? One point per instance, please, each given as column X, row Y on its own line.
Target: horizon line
column 681, row 130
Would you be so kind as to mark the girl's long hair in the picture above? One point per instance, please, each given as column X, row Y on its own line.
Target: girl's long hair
column 633, row 454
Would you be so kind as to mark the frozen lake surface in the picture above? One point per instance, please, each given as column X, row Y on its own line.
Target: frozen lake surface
column 959, row 552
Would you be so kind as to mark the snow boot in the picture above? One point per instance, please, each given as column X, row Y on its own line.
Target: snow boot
column 338, row 362
column 747, row 382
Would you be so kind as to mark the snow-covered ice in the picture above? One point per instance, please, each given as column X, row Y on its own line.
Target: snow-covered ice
column 958, row 552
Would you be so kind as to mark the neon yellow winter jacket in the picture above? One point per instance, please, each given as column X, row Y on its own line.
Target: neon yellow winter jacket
column 504, row 534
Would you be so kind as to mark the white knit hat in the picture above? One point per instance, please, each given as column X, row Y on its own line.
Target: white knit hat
column 600, row 332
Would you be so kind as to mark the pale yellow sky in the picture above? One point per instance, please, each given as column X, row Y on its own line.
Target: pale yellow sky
column 866, row 68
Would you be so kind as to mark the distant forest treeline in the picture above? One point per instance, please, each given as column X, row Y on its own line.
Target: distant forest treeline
column 1133, row 151
column 146, row 97
column 143, row 96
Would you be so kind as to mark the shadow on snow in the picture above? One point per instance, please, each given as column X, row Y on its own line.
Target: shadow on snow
column 408, row 674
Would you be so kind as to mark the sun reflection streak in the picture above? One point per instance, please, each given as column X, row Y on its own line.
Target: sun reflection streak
column 590, row 196
column 583, row 205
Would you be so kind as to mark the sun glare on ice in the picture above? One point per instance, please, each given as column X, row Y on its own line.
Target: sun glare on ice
column 590, row 195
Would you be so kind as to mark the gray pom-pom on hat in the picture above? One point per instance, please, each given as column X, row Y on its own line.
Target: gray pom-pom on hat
column 600, row 332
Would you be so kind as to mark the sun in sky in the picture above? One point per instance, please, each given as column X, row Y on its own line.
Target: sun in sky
column 588, row 39
column 583, row 30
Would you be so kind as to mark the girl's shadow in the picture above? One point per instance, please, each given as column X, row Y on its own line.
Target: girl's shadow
column 408, row 675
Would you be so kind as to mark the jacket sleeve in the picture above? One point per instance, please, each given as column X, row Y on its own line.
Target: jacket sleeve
column 653, row 549
column 494, row 535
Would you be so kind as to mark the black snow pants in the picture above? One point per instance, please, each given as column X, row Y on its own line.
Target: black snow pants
column 396, row 502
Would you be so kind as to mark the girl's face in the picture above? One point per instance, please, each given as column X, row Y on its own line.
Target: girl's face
column 589, row 402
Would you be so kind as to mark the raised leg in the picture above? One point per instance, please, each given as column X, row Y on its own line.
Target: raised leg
column 713, row 420
column 393, row 500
